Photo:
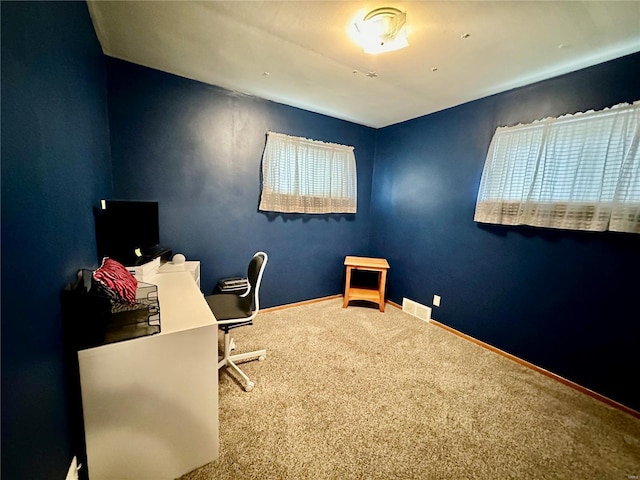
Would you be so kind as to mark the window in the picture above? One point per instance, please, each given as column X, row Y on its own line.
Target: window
column 579, row 172
column 307, row 176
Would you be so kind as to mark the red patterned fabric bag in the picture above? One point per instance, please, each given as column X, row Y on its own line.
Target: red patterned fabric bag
column 116, row 281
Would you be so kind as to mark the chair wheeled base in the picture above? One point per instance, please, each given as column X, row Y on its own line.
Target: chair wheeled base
column 228, row 360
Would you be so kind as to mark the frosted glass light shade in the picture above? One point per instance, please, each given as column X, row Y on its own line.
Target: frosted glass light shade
column 382, row 30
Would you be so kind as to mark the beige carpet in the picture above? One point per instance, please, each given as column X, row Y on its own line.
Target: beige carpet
column 358, row 394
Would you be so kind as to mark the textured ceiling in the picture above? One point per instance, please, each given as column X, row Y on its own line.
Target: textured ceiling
column 300, row 53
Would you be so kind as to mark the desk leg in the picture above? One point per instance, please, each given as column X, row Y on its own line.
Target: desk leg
column 382, row 282
column 347, row 286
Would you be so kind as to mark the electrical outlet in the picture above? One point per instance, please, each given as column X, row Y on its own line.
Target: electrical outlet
column 436, row 300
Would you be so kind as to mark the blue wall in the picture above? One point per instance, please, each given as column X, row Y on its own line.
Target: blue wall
column 197, row 150
column 566, row 301
column 55, row 164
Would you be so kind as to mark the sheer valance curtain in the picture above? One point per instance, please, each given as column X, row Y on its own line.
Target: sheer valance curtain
column 307, row 176
column 579, row 172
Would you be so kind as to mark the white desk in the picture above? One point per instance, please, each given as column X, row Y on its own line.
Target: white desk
column 151, row 404
column 193, row 267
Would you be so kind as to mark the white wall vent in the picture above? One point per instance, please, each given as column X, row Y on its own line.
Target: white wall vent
column 416, row 309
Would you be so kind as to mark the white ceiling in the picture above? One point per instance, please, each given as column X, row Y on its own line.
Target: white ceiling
column 299, row 52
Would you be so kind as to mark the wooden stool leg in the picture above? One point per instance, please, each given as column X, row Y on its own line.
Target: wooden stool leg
column 381, row 286
column 347, row 286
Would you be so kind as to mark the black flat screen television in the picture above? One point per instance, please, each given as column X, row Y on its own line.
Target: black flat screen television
column 127, row 231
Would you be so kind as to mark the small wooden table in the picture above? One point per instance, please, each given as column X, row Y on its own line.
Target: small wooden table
column 375, row 295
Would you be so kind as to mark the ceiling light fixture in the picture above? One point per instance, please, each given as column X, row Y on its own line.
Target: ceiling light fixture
column 382, row 30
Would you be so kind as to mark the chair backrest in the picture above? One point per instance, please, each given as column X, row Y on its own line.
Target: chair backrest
column 254, row 275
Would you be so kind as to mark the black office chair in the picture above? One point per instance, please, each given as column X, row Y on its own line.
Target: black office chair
column 232, row 311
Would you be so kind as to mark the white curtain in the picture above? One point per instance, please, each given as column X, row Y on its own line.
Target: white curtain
column 579, row 172
column 307, row 176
